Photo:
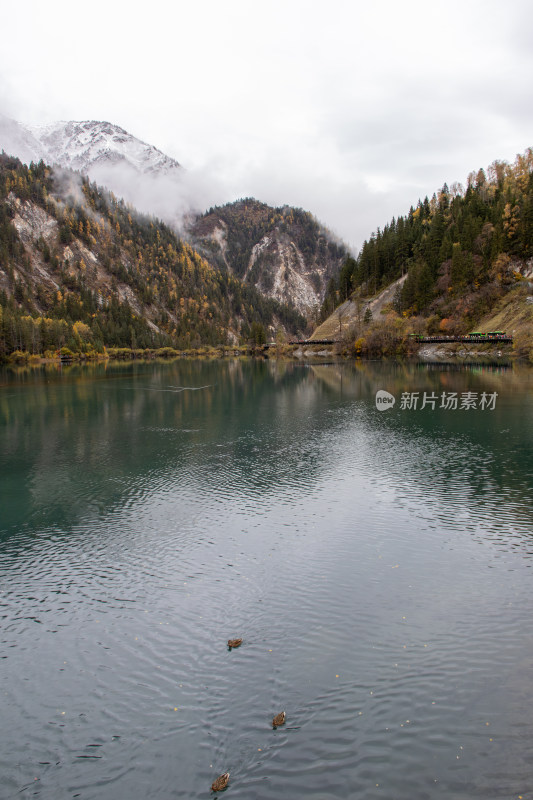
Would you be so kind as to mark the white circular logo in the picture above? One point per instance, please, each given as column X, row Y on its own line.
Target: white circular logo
column 384, row 400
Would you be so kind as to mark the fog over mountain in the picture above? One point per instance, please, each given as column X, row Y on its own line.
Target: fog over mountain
column 18, row 140
column 110, row 156
column 282, row 252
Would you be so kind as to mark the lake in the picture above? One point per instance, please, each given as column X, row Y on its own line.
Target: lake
column 377, row 563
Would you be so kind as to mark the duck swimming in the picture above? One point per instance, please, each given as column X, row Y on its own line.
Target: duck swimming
column 221, row 782
column 278, row 720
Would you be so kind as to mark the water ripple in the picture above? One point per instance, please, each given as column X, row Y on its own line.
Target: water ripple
column 378, row 569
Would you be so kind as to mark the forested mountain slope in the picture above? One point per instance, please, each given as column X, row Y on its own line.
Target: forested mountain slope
column 461, row 251
column 80, row 268
column 283, row 252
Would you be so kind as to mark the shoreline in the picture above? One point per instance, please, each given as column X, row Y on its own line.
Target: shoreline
column 428, row 353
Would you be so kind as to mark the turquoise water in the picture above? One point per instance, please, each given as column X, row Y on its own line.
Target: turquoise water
column 376, row 563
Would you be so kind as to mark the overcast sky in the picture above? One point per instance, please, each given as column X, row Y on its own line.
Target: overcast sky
column 352, row 110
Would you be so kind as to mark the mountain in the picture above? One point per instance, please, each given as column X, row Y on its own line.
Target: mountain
column 459, row 260
column 83, row 146
column 81, row 269
column 144, row 176
column 284, row 252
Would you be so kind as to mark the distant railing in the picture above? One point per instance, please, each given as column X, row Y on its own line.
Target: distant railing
column 472, row 338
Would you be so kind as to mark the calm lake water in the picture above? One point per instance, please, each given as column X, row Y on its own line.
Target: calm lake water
column 378, row 565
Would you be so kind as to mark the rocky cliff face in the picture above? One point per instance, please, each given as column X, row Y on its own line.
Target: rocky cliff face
column 283, row 252
column 49, row 265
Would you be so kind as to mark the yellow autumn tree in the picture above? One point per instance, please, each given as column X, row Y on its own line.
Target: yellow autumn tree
column 82, row 331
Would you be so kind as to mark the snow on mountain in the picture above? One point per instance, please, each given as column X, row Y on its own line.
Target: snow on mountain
column 290, row 261
column 83, row 145
column 110, row 156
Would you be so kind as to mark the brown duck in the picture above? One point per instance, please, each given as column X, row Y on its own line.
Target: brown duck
column 234, row 643
column 221, row 782
column 278, row 720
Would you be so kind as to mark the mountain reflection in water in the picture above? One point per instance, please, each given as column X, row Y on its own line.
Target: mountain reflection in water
column 377, row 565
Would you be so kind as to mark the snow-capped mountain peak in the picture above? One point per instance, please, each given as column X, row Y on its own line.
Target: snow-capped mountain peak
column 132, row 169
column 84, row 145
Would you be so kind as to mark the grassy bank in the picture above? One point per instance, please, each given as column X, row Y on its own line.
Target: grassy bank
column 23, row 357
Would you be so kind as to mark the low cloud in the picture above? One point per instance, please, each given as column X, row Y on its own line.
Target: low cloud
column 171, row 197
